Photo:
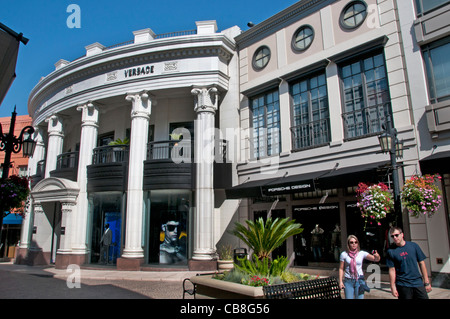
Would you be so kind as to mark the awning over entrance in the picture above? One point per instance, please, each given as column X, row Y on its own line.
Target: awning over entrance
column 436, row 163
column 334, row 178
column 12, row 219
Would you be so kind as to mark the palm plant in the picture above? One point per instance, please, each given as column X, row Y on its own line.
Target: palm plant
column 263, row 237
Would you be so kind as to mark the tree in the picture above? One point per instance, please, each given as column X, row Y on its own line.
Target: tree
column 14, row 191
column 263, row 237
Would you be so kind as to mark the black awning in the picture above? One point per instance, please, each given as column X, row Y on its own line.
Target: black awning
column 436, row 163
column 334, row 178
column 351, row 176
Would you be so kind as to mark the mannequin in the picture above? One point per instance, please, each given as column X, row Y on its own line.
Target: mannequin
column 105, row 243
column 336, row 242
column 316, row 242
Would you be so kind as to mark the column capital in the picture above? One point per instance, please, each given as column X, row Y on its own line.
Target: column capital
column 206, row 99
column 141, row 104
column 55, row 125
column 89, row 115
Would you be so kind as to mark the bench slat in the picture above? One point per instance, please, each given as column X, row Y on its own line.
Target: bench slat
column 323, row 288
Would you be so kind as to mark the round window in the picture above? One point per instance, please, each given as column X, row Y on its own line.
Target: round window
column 353, row 14
column 303, row 38
column 261, row 57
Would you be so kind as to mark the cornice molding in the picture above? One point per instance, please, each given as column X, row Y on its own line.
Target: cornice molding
column 280, row 20
column 64, row 78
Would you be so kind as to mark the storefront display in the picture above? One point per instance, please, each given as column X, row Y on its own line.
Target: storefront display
column 168, row 226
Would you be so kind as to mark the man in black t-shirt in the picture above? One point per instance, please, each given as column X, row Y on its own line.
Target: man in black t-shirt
column 404, row 262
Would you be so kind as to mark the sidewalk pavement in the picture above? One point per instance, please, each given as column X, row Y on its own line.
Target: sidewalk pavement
column 111, row 274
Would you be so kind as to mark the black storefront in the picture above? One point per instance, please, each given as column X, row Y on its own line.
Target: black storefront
column 322, row 217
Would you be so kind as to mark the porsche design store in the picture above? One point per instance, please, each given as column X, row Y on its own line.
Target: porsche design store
column 326, row 208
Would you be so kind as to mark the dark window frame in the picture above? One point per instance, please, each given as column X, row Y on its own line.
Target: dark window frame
column 429, row 69
column 368, row 125
column 255, row 58
column 299, row 141
column 352, row 4
column 262, row 148
column 294, row 41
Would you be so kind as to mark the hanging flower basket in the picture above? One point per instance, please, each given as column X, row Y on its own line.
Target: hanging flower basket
column 421, row 196
column 13, row 193
column 374, row 201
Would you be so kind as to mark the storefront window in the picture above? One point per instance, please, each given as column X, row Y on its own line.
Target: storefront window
column 106, row 237
column 320, row 239
column 169, row 226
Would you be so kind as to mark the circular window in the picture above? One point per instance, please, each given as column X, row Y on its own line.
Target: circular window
column 303, row 38
column 261, row 57
column 353, row 14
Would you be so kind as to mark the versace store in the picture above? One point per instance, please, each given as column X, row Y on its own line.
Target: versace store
column 128, row 169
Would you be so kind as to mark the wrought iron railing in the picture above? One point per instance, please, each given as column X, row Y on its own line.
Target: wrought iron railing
column 67, row 160
column 110, row 154
column 175, row 150
column 311, row 134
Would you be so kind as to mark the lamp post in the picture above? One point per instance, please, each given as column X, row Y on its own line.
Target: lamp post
column 390, row 144
column 11, row 144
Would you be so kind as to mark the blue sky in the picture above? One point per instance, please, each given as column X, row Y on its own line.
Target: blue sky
column 108, row 22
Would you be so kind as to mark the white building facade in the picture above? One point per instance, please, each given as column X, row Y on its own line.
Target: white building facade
column 159, row 99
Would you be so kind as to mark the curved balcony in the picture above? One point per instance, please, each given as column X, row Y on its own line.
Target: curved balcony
column 40, row 173
column 169, row 165
column 108, row 171
column 66, row 166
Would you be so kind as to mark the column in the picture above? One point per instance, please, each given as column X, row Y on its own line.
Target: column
column 55, row 142
column 63, row 256
column 133, row 253
column 88, row 140
column 206, row 105
column 27, row 224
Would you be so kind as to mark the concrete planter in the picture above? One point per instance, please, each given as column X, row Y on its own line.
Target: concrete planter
column 224, row 265
column 209, row 288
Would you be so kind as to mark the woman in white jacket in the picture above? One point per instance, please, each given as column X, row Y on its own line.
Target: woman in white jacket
column 351, row 276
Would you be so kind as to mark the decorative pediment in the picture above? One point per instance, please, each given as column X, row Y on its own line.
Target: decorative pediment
column 54, row 189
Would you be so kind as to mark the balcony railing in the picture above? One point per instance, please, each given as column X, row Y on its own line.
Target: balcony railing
column 181, row 151
column 67, row 160
column 311, row 134
column 175, row 150
column 110, row 154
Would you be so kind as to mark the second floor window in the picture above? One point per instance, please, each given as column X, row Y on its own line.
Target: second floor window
column 365, row 93
column 311, row 118
column 438, row 69
column 266, row 124
column 423, row 6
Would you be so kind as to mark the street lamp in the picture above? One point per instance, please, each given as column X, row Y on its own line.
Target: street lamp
column 11, row 144
column 390, row 144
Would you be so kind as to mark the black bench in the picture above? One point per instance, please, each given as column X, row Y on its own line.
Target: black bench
column 188, row 290
column 323, row 288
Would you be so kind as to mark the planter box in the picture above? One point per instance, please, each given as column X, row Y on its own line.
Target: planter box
column 209, row 288
column 224, row 265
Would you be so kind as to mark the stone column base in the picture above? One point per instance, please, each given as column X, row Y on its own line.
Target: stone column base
column 32, row 257
column 202, row 265
column 64, row 260
column 132, row 264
